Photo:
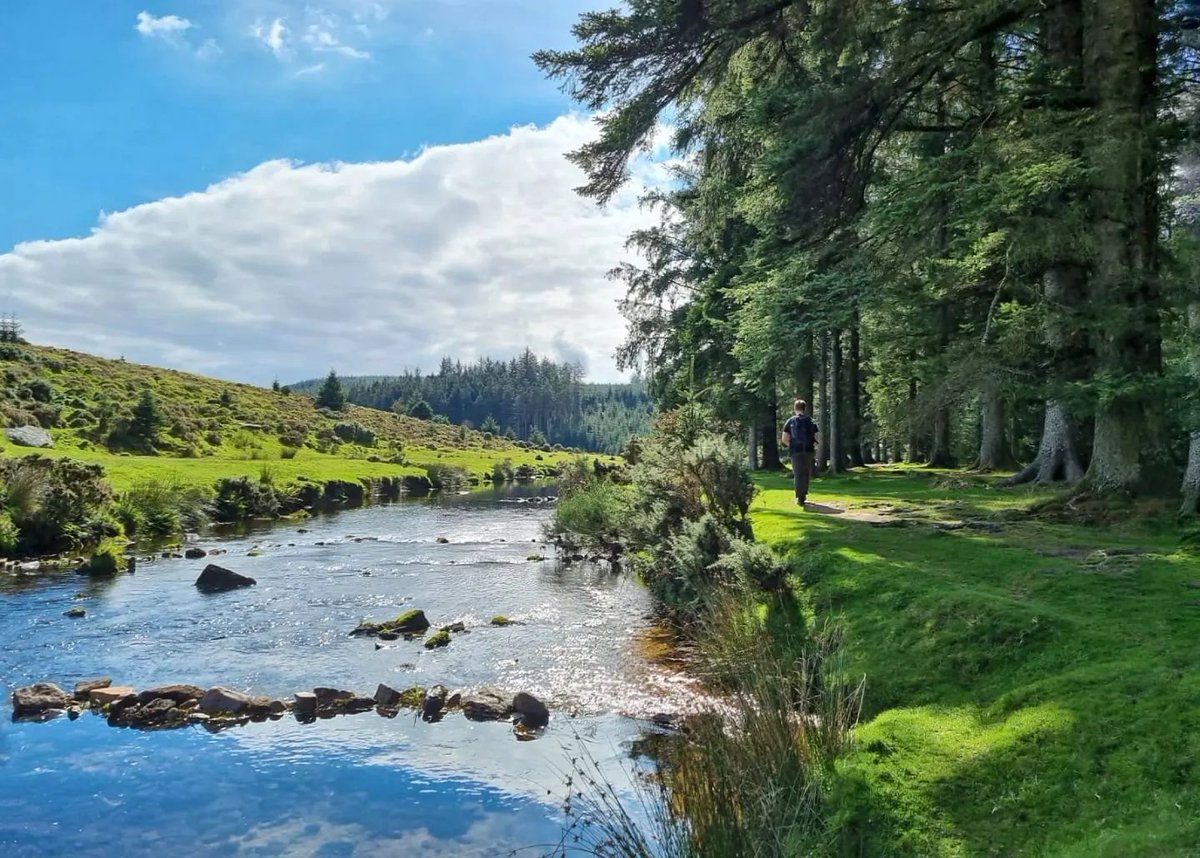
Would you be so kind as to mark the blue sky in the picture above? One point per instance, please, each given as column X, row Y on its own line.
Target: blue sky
column 99, row 117
column 256, row 189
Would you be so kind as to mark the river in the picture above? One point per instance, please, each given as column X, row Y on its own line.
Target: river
column 354, row 785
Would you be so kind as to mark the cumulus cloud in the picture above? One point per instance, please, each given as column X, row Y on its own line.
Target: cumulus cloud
column 273, row 36
column 166, row 26
column 285, row 270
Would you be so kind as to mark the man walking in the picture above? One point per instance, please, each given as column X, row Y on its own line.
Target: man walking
column 800, row 434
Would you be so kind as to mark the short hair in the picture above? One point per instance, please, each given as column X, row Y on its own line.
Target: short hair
column 800, row 405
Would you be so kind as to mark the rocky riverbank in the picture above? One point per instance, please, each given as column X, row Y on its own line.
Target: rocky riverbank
column 218, row 708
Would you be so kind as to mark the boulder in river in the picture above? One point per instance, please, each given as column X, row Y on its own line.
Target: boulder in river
column 29, row 436
column 387, row 697
column 38, row 698
column 434, row 703
column 531, row 711
column 177, row 694
column 195, row 553
column 438, row 639
column 409, row 623
column 305, row 705
column 487, row 704
column 224, row 701
column 75, row 613
column 85, row 687
column 111, row 695
column 218, row 579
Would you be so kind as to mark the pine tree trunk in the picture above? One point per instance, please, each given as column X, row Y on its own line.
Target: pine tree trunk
column 993, row 442
column 823, row 392
column 837, row 456
column 752, row 446
column 1191, row 479
column 941, row 456
column 1191, row 475
column 912, row 454
column 770, row 432
column 1056, row 459
column 1120, row 69
column 805, row 371
column 854, row 399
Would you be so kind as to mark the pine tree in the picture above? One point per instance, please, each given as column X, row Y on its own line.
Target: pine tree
column 148, row 419
column 420, row 410
column 331, row 395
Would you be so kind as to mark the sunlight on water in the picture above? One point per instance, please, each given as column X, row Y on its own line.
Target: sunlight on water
column 362, row 785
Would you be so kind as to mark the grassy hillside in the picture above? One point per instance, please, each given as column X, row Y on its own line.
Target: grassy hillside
column 217, row 429
column 1031, row 686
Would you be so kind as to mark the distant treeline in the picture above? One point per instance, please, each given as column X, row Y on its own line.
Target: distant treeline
column 527, row 398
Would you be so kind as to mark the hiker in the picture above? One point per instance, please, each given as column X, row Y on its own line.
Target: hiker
column 800, row 434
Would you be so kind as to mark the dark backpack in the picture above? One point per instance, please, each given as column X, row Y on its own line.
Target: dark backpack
column 802, row 431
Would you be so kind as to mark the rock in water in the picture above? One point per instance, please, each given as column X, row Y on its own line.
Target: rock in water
column 387, row 697
column 75, row 613
column 218, row 579
column 533, row 712
column 38, row 698
column 177, row 694
column 29, row 436
column 305, row 705
column 409, row 623
column 111, row 695
column 195, row 553
column 85, row 687
column 223, row 700
column 434, row 703
column 486, row 704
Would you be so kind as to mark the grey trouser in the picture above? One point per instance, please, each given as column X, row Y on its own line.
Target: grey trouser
column 802, row 468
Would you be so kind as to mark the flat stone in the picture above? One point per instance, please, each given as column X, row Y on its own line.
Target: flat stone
column 332, row 696
column 29, row 436
column 110, row 694
column 487, row 704
column 85, row 687
column 223, row 700
column 75, row 613
column 177, row 694
column 39, row 697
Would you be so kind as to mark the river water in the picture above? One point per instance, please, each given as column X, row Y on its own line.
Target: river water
column 356, row 785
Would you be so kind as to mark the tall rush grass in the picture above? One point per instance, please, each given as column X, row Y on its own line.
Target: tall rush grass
column 749, row 775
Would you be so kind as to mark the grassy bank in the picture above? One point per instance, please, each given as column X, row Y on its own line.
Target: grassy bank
column 1032, row 687
column 214, row 429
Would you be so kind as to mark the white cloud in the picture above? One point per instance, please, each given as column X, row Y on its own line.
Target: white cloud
column 165, row 27
column 467, row 250
column 274, row 36
column 323, row 41
column 208, row 50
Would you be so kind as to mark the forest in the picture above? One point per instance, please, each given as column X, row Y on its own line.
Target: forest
column 966, row 231
column 527, row 398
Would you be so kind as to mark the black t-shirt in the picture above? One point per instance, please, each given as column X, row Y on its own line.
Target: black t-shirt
column 802, row 433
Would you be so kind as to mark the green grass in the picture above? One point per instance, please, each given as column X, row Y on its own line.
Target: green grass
column 1027, row 693
column 221, row 429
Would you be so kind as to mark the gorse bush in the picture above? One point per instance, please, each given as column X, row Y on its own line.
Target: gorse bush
column 354, row 433
column 241, row 498
column 56, row 504
column 503, row 472
column 446, row 476
column 590, row 517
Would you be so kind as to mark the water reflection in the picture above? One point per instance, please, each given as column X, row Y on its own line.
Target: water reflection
column 350, row 786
